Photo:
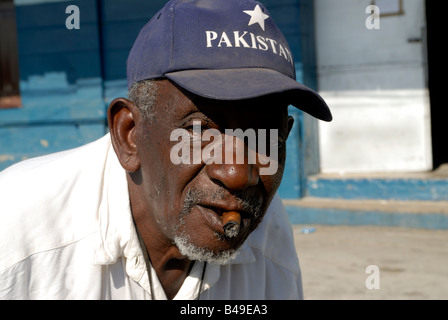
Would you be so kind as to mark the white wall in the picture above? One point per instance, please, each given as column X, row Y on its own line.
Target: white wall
column 375, row 84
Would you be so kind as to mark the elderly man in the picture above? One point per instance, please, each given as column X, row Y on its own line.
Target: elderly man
column 142, row 212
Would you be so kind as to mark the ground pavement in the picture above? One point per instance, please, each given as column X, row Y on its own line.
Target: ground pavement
column 407, row 263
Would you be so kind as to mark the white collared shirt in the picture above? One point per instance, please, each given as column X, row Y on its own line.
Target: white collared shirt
column 66, row 232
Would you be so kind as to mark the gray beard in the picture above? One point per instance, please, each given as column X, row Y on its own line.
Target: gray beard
column 196, row 253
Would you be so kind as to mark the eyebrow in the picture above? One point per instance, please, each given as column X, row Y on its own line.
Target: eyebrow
column 196, row 113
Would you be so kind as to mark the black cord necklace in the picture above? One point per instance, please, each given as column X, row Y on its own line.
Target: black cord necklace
column 148, row 266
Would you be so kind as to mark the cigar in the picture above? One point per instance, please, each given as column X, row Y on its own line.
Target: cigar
column 231, row 221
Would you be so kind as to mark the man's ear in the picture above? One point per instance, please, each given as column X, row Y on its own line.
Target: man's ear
column 122, row 116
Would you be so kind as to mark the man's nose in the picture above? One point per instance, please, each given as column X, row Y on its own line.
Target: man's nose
column 234, row 176
column 233, row 173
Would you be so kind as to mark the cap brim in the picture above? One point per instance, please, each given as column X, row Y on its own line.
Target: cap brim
column 248, row 83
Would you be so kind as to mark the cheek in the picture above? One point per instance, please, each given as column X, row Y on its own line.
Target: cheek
column 166, row 185
column 277, row 178
column 160, row 181
column 272, row 180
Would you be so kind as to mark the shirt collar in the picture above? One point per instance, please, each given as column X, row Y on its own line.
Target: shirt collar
column 116, row 228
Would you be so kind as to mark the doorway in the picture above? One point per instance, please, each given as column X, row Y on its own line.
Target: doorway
column 435, row 27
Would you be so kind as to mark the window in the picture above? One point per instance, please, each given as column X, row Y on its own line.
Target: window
column 389, row 7
column 9, row 65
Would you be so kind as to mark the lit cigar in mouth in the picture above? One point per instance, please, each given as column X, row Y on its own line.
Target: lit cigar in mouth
column 231, row 221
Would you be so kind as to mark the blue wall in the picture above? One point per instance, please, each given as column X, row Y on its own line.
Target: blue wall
column 67, row 76
column 296, row 20
column 60, row 83
column 121, row 20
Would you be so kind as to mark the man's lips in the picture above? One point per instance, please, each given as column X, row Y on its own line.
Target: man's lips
column 219, row 209
column 213, row 215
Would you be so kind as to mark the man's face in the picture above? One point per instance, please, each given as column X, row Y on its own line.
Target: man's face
column 187, row 200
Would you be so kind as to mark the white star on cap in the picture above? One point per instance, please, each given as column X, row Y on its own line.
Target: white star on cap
column 257, row 16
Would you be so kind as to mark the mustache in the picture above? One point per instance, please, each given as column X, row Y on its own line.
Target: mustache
column 247, row 202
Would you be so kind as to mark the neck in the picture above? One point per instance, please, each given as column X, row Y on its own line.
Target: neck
column 171, row 267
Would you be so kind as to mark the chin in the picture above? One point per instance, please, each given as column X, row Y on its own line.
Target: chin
column 223, row 255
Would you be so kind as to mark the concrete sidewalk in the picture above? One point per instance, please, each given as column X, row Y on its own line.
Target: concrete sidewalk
column 413, row 263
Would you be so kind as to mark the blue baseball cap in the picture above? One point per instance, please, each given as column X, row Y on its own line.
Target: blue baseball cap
column 222, row 50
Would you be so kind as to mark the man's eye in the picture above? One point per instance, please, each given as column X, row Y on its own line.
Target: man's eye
column 197, row 126
column 201, row 128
